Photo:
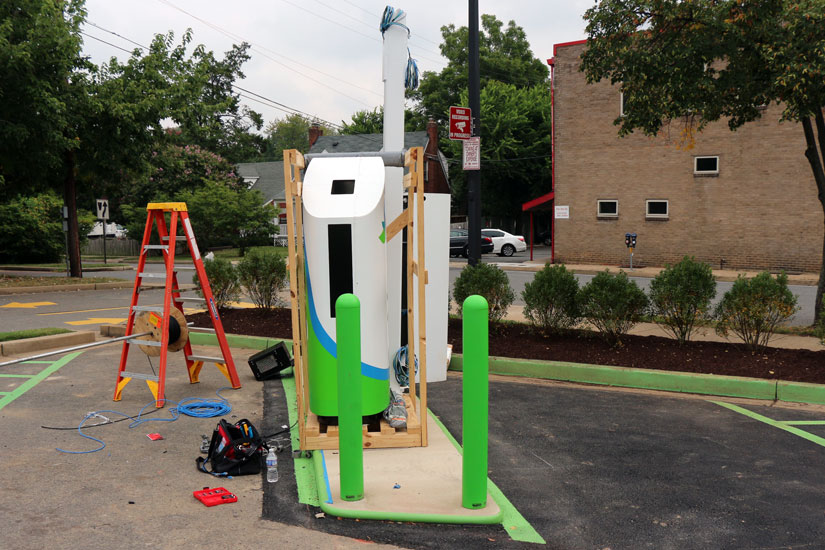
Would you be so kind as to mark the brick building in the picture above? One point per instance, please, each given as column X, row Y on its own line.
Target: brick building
column 744, row 199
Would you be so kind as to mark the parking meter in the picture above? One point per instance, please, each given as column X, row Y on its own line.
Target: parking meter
column 630, row 243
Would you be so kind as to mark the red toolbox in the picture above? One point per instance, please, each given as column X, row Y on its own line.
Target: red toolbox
column 214, row 496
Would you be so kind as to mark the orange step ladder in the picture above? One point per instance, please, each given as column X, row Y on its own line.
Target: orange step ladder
column 156, row 215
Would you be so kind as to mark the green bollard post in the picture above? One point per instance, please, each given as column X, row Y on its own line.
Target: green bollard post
column 350, row 443
column 475, row 398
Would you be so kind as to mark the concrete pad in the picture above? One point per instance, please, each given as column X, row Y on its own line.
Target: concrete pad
column 429, row 480
column 54, row 341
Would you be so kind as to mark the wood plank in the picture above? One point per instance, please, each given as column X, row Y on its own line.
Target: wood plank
column 422, row 281
column 397, row 225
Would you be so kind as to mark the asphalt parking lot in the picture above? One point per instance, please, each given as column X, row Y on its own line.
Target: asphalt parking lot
column 596, row 468
column 589, row 468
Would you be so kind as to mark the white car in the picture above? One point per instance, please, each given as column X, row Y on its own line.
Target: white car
column 505, row 244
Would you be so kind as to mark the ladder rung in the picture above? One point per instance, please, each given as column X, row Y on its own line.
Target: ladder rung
column 202, row 329
column 189, row 299
column 206, row 358
column 177, row 238
column 156, row 309
column 156, row 247
column 140, row 342
column 152, row 275
column 184, row 268
column 139, row 376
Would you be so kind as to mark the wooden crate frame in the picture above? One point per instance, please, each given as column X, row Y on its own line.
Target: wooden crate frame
column 312, row 434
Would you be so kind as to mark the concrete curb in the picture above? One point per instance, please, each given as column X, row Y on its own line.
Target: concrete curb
column 28, row 345
column 680, row 382
column 81, row 286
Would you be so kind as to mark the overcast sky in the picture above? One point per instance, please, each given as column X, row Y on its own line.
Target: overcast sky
column 320, row 57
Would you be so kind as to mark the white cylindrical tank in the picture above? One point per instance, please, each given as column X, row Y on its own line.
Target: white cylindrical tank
column 345, row 251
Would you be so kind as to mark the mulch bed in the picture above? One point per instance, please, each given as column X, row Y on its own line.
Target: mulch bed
column 524, row 342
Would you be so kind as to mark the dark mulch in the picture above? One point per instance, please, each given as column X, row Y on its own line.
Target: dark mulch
column 522, row 341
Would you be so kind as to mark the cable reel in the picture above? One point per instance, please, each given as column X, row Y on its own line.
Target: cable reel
column 150, row 321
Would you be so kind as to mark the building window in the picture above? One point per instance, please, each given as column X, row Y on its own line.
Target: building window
column 706, row 166
column 657, row 209
column 622, row 105
column 607, row 208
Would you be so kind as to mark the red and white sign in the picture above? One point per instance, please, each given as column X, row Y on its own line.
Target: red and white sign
column 471, row 153
column 461, row 123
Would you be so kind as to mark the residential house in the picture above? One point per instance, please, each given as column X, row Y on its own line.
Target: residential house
column 435, row 166
column 268, row 178
column 744, row 199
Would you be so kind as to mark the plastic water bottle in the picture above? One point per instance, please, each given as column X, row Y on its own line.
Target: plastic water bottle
column 272, row 466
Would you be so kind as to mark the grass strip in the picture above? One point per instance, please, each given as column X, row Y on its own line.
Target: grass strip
column 13, row 281
column 31, row 333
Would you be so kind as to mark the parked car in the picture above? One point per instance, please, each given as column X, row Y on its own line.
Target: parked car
column 505, row 244
column 459, row 243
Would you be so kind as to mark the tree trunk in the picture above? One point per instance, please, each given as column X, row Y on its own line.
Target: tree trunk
column 819, row 177
column 70, row 200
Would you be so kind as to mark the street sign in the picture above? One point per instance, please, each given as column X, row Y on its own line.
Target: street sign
column 461, row 123
column 102, row 209
column 471, row 154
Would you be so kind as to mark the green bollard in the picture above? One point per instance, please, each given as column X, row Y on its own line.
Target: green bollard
column 350, row 443
column 475, row 398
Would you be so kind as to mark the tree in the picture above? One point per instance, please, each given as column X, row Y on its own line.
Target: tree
column 173, row 169
column 714, row 59
column 37, row 76
column 504, row 56
column 89, row 128
column 31, row 228
column 515, row 148
column 372, row 122
column 290, row 132
column 515, row 114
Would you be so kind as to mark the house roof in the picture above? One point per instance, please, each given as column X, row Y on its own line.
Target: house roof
column 361, row 143
column 268, row 178
column 367, row 143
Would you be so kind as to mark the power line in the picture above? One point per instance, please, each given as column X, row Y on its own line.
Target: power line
column 108, row 43
column 259, row 47
column 272, row 103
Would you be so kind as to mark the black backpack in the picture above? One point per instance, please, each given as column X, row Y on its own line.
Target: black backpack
column 235, row 450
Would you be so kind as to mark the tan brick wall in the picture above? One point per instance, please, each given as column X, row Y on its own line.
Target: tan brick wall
column 760, row 212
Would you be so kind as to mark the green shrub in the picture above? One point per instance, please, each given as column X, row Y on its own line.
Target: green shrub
column 223, row 280
column 550, row 299
column 681, row 296
column 31, row 229
column 819, row 330
column 753, row 308
column 488, row 281
column 613, row 304
column 263, row 273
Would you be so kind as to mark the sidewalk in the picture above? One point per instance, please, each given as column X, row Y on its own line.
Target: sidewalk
column 726, row 275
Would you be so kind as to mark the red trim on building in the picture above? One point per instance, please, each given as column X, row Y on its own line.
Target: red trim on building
column 531, row 204
column 563, row 44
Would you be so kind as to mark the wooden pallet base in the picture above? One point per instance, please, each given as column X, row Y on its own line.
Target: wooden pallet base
column 376, row 436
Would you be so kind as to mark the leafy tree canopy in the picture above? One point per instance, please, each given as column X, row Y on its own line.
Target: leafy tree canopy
column 372, row 122
column 290, row 132
column 515, row 149
column 504, row 56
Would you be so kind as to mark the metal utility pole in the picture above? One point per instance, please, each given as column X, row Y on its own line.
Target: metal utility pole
column 474, row 176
